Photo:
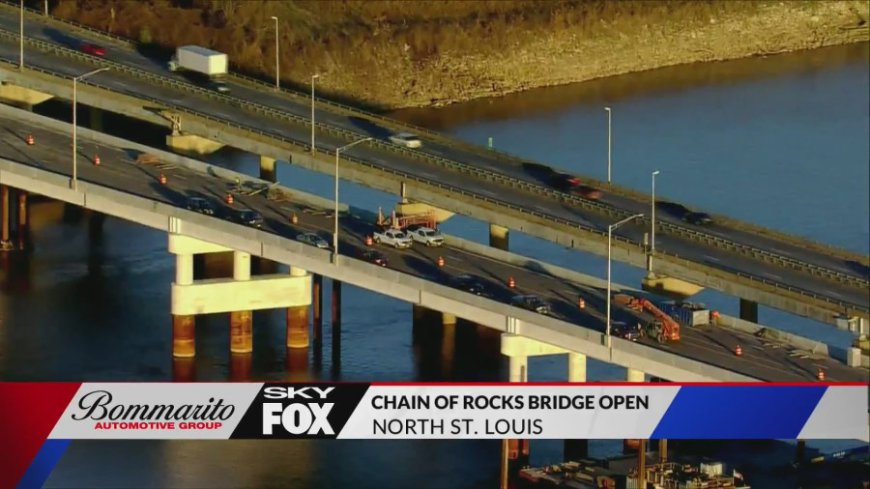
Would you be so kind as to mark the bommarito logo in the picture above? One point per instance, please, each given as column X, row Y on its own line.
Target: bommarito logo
column 99, row 406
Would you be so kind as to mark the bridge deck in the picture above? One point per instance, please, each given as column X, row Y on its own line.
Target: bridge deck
column 761, row 359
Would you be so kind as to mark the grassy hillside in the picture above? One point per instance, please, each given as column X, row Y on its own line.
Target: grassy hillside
column 395, row 53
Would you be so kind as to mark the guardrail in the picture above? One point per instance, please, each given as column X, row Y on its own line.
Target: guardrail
column 755, row 282
column 447, row 164
column 756, row 253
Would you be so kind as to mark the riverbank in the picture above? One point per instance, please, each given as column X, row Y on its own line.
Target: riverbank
column 429, row 53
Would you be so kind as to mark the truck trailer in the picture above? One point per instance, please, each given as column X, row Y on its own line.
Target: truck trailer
column 206, row 64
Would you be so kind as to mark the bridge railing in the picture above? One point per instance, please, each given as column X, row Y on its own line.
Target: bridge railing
column 486, row 175
column 453, row 142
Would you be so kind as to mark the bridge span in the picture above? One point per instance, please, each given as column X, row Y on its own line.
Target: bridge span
column 125, row 186
column 758, row 265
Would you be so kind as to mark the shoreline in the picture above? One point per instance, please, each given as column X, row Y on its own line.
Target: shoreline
column 384, row 73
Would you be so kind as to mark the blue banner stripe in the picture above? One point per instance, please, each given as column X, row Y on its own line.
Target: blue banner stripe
column 43, row 464
column 739, row 412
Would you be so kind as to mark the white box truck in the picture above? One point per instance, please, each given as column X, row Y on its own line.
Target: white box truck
column 204, row 63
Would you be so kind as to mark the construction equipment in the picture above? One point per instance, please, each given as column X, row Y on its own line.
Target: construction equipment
column 662, row 327
column 403, row 221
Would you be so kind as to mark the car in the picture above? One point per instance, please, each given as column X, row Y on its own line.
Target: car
column 393, row 237
column 373, row 256
column 698, row 218
column 426, row 235
column 470, row 284
column 622, row 330
column 406, row 139
column 218, row 86
column 201, row 205
column 564, row 181
column 531, row 302
column 313, row 240
column 93, row 49
column 249, row 218
column 587, row 192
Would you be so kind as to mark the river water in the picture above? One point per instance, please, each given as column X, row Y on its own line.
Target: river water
column 780, row 141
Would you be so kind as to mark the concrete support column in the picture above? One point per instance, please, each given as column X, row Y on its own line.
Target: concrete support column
column 267, row 169
column 499, row 236
column 240, row 367
column 297, row 319
column 576, row 449
column 4, row 221
column 632, row 375
column 336, row 327
column 183, row 369
column 518, row 450
column 96, row 119
column 748, row 310
column 448, row 343
column 22, row 228
column 800, row 452
column 183, row 327
column 317, row 306
column 241, row 340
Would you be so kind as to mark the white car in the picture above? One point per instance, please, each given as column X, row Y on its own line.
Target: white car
column 407, row 140
column 393, row 237
column 427, row 236
column 313, row 240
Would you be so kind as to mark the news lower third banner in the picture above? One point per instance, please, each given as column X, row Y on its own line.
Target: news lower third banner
column 40, row 419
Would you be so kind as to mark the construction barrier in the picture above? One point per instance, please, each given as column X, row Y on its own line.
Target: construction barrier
column 738, row 351
column 229, row 198
column 96, row 160
column 30, row 140
column 163, row 179
column 821, row 375
column 369, row 241
column 440, row 261
column 511, row 282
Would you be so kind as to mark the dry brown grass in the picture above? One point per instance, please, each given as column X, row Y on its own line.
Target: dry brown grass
column 359, row 37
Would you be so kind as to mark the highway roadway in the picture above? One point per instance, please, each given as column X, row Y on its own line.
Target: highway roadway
column 692, row 250
column 714, row 345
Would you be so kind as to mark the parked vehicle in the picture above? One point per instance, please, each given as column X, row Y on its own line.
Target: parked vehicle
column 698, row 218
column 201, row 205
column 470, row 284
column 532, row 303
column 203, row 62
column 426, row 235
column 93, row 49
column 393, row 237
column 248, row 218
column 622, row 330
column 587, row 192
column 313, row 240
column 407, row 140
column 659, row 326
column 373, row 256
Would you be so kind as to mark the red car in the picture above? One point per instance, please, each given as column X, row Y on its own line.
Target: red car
column 93, row 49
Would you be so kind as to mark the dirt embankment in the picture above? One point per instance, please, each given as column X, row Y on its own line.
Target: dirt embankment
column 415, row 53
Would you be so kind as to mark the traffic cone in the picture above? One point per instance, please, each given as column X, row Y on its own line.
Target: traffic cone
column 229, row 198
column 581, row 303
column 821, row 375
column 369, row 241
column 162, row 179
column 294, row 218
column 511, row 282
column 738, row 351
column 30, row 140
column 441, row 261
column 96, row 160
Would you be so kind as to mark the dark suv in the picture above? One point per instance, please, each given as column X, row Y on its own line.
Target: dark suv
column 201, row 205
column 248, row 218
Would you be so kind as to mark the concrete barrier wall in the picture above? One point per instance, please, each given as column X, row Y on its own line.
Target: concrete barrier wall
column 385, row 281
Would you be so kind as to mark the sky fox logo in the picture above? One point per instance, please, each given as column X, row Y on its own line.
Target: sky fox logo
column 298, row 418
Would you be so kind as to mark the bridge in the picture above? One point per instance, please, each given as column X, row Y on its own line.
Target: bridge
column 758, row 265
column 153, row 192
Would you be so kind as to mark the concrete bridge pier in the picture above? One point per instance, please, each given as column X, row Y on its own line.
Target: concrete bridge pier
column 22, row 97
column 95, row 119
column 183, row 326
column 267, row 169
column 631, row 445
column 576, row 449
column 499, row 237
column 241, row 336
column 336, row 328
column 23, row 228
column 297, row 319
column 183, row 369
column 5, row 224
column 317, row 307
column 240, row 367
column 748, row 310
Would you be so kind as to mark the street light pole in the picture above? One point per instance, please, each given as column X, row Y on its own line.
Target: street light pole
column 652, row 246
column 21, row 36
column 610, row 229
column 277, row 57
column 335, row 229
column 75, row 144
column 609, row 153
column 313, row 77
